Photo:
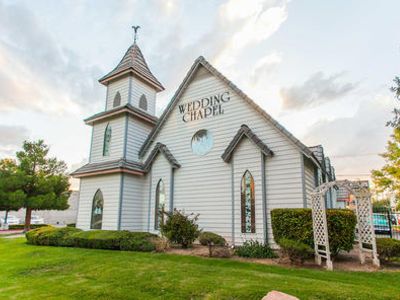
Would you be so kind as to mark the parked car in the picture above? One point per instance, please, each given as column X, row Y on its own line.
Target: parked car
column 36, row 220
column 11, row 220
column 381, row 224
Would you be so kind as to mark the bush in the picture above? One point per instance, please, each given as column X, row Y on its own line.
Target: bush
column 207, row 237
column 296, row 251
column 255, row 249
column 387, row 248
column 180, row 228
column 211, row 239
column 22, row 226
column 96, row 239
column 296, row 224
column 51, row 236
column 71, row 225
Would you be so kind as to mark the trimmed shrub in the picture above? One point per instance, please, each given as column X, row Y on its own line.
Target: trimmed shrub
column 296, row 224
column 255, row 249
column 22, row 226
column 139, row 241
column 180, row 228
column 387, row 248
column 206, row 238
column 211, row 240
column 51, row 236
column 96, row 239
column 296, row 251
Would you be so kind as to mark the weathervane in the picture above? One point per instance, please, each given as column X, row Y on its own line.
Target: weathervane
column 135, row 28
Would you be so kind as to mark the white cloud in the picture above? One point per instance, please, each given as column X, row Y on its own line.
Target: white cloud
column 252, row 21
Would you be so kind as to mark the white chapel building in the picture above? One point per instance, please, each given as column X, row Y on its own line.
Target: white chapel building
column 212, row 152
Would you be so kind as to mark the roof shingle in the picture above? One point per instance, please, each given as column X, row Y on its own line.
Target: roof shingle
column 133, row 61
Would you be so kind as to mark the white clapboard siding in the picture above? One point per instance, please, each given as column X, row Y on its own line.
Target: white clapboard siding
column 137, row 134
column 247, row 157
column 110, row 187
column 132, row 203
column 138, row 89
column 117, row 140
column 209, row 176
column 309, row 172
column 121, row 86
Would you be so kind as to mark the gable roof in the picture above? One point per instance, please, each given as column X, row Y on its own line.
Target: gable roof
column 161, row 148
column 245, row 131
column 201, row 61
column 133, row 62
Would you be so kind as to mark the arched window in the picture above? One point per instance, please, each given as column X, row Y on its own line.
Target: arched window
column 160, row 205
column 248, row 204
column 117, row 100
column 143, row 102
column 97, row 211
column 107, row 141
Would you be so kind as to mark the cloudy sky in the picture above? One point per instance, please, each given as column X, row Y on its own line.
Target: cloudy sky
column 321, row 68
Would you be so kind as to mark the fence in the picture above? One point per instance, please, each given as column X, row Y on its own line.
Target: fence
column 387, row 224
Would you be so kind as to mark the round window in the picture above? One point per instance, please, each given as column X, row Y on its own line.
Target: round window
column 202, row 142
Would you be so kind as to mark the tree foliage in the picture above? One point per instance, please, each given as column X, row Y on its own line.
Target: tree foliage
column 11, row 194
column 396, row 90
column 388, row 177
column 34, row 181
column 380, row 205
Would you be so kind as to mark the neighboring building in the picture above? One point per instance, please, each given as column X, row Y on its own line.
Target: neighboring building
column 54, row 217
column 213, row 151
column 345, row 198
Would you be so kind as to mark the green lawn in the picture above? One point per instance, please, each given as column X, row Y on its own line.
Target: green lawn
column 38, row 272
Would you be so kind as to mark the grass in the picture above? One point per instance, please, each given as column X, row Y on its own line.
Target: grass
column 38, row 272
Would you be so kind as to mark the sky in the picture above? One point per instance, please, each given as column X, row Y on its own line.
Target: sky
column 323, row 69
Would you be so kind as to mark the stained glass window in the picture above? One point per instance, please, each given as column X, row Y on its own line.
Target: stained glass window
column 248, row 203
column 107, row 141
column 160, row 205
column 97, row 211
column 202, row 142
column 117, row 100
column 143, row 102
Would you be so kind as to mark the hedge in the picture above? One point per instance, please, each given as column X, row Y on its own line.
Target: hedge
column 296, row 251
column 22, row 226
column 296, row 224
column 387, row 248
column 95, row 239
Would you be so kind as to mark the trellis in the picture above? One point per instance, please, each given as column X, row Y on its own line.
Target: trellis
column 364, row 229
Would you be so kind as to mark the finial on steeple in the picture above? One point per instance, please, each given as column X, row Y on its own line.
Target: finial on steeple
column 135, row 29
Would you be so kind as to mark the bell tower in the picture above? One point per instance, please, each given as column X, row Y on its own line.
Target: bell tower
column 118, row 132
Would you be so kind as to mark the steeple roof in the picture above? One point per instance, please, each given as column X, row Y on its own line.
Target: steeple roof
column 133, row 62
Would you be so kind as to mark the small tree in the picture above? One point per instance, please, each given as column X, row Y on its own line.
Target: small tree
column 45, row 184
column 180, row 228
column 211, row 239
column 11, row 193
column 388, row 177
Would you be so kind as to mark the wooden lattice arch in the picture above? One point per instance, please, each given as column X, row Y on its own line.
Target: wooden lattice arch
column 364, row 230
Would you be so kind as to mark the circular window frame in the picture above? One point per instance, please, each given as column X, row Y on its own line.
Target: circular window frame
column 205, row 151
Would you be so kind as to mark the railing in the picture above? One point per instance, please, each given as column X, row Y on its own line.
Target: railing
column 387, row 224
